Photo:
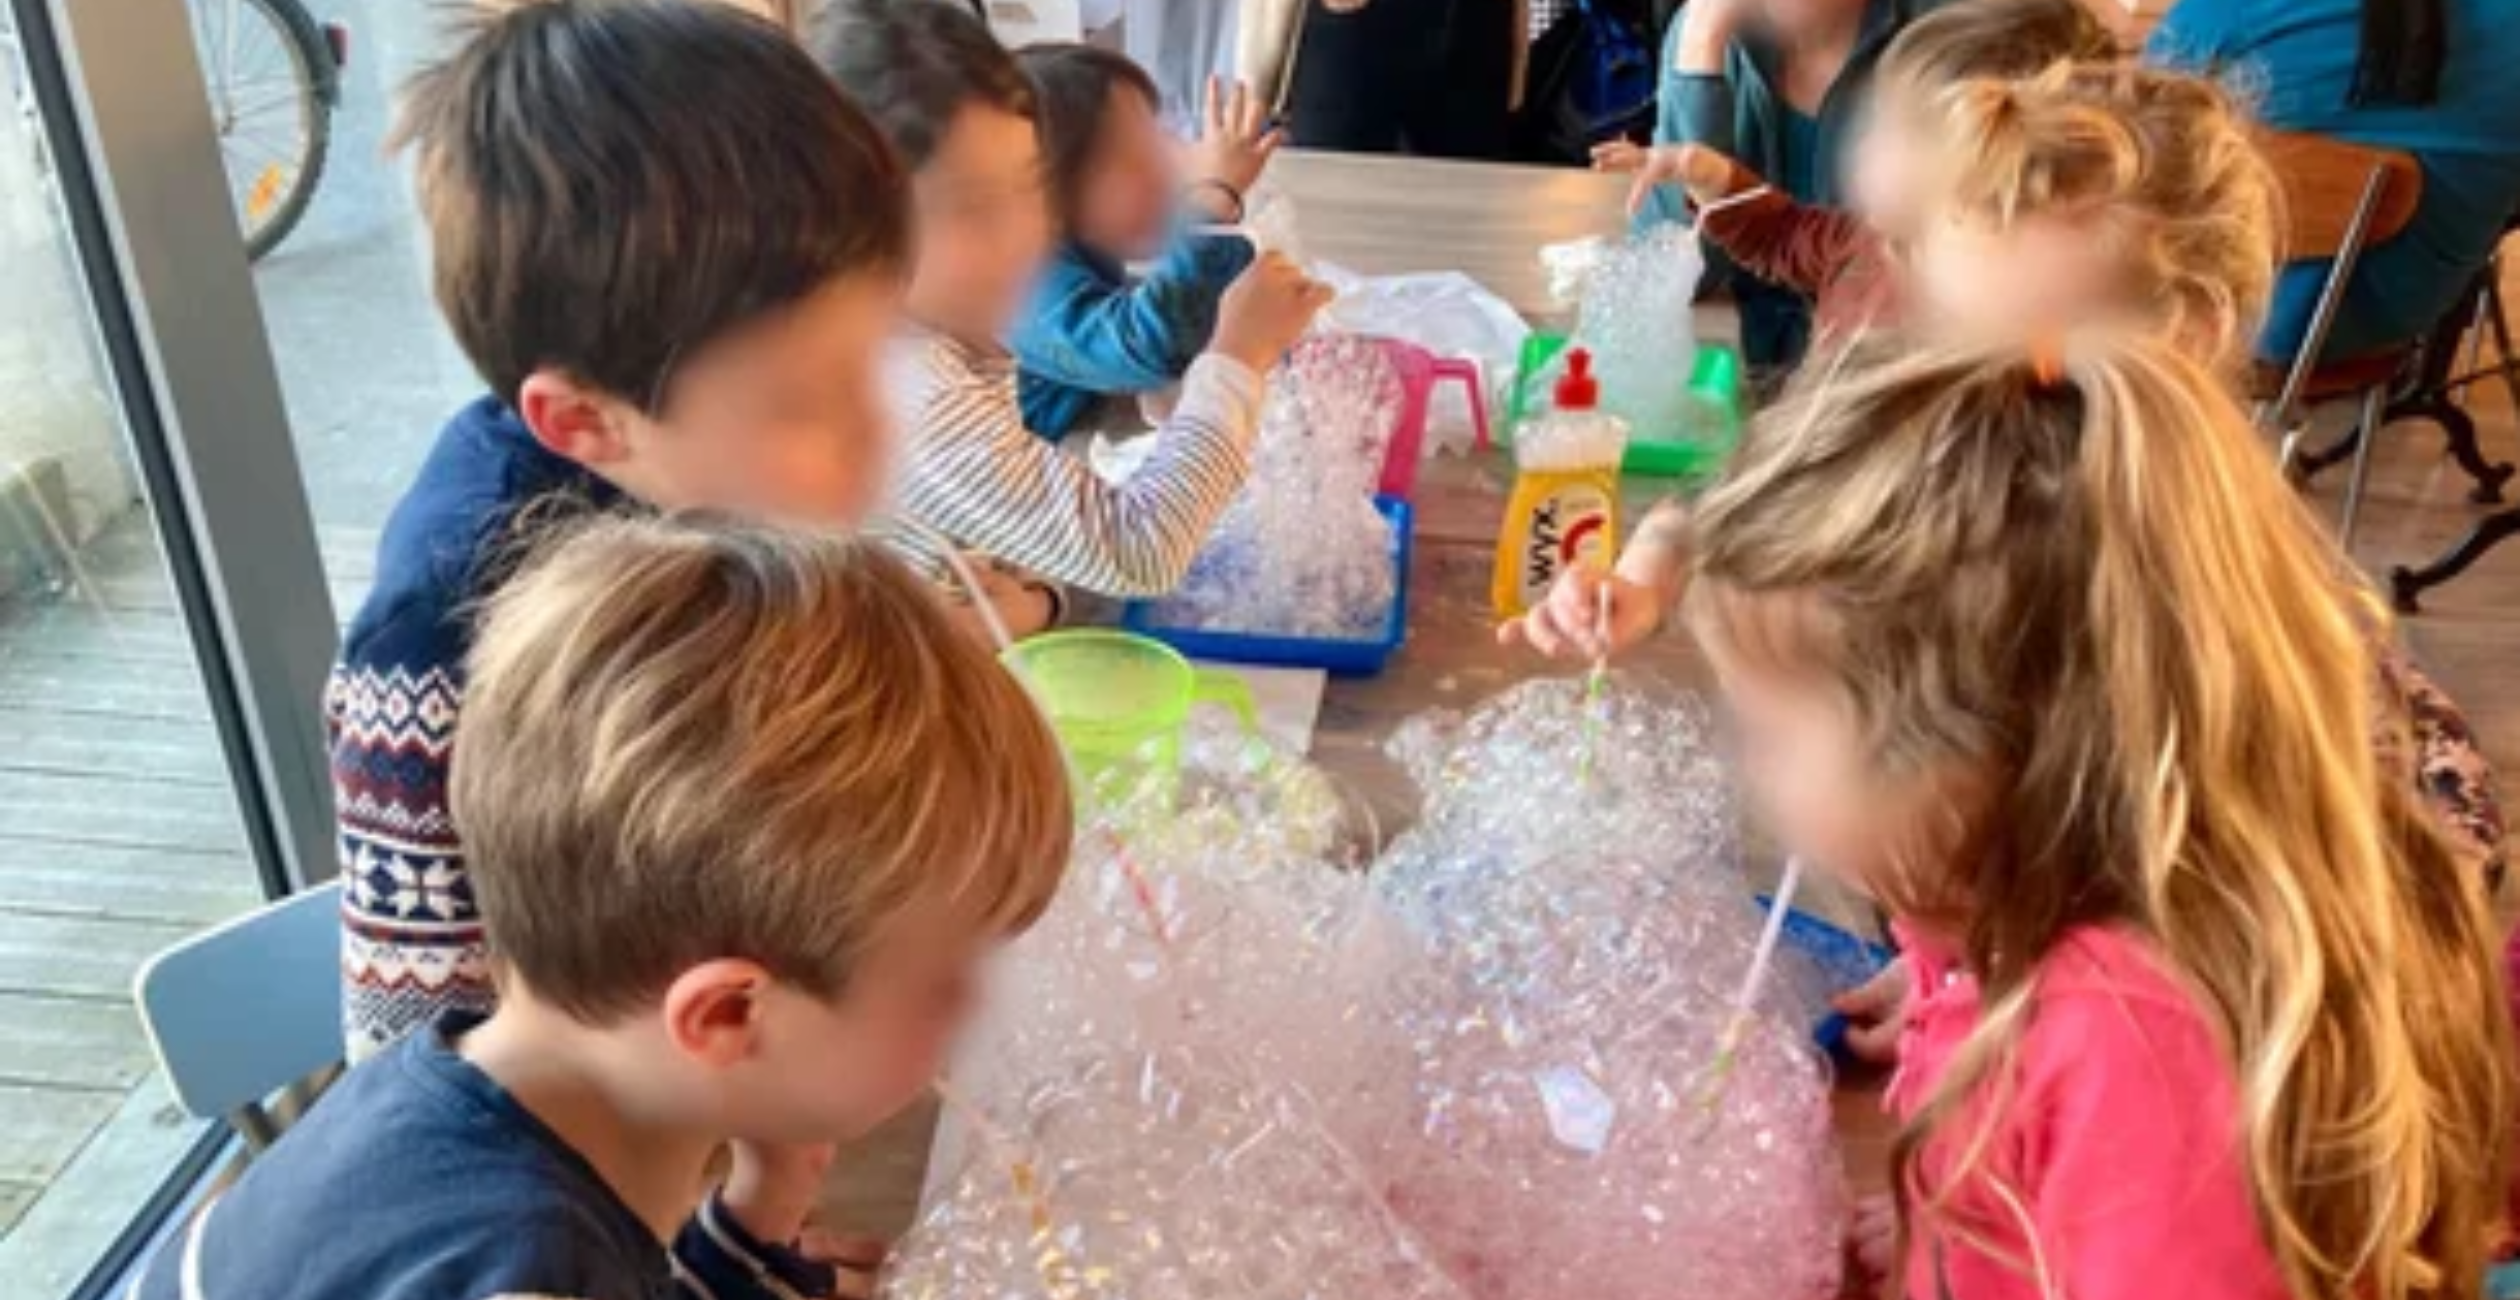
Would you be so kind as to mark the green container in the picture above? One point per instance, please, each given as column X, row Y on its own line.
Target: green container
column 1653, row 453
column 1119, row 701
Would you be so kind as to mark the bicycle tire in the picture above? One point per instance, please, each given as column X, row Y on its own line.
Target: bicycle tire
column 311, row 55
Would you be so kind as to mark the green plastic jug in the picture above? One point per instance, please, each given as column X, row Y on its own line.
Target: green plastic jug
column 1120, row 701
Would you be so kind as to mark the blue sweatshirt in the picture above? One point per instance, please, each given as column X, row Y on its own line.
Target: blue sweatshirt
column 418, row 1178
column 2296, row 59
column 412, row 941
column 1742, row 113
column 1089, row 333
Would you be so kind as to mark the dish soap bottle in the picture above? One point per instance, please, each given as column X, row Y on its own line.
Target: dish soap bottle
column 1565, row 505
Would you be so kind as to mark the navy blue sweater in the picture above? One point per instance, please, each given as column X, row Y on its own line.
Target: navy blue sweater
column 419, row 1178
column 412, row 942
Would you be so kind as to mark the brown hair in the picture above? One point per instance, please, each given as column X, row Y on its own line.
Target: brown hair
column 612, row 185
column 1075, row 84
column 915, row 65
column 2003, row 39
column 686, row 739
column 2166, row 167
column 2078, row 596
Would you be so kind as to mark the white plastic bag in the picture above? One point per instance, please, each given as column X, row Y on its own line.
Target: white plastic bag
column 1446, row 313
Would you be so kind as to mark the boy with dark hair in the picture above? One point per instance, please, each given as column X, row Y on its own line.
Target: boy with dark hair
column 674, row 253
column 963, row 116
column 746, row 813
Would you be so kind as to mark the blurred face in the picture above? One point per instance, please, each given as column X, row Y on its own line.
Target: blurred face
column 783, row 420
column 1805, row 767
column 832, row 1070
column 2045, row 273
column 1881, row 171
column 1124, row 203
column 983, row 225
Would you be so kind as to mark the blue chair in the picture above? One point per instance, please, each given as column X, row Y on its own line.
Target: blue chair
column 247, row 1009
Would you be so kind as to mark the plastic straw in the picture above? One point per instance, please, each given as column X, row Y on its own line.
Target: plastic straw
column 1596, row 683
column 1745, row 1003
column 1706, row 210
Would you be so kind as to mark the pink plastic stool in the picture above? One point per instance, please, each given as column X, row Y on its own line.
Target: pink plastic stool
column 1419, row 371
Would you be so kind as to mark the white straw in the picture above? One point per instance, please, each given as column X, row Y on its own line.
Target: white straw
column 1768, row 936
column 1706, row 210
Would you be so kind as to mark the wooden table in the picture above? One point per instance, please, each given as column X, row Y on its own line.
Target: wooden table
column 1384, row 217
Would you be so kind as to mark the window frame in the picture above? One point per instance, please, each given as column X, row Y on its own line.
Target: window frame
column 124, row 113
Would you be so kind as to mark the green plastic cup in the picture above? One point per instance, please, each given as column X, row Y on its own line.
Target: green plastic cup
column 1120, row 701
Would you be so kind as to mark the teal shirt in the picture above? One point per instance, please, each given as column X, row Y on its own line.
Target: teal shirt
column 1743, row 113
column 2295, row 59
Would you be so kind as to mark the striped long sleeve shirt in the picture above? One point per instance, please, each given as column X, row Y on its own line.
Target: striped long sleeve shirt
column 975, row 476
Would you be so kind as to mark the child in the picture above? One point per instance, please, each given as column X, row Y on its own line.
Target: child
column 2085, row 192
column 959, row 111
column 1841, row 259
column 744, row 811
column 702, row 329
column 1087, row 332
column 2089, row 190
column 2041, row 651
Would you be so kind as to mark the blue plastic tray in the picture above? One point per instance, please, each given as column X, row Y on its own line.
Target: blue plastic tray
column 1358, row 658
column 1849, row 959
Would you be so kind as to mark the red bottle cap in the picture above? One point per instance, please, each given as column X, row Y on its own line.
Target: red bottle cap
column 1577, row 390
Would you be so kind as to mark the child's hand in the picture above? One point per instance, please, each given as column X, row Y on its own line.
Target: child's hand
column 1877, row 1012
column 1569, row 621
column 1235, row 145
column 1872, row 1242
column 772, row 1188
column 1266, row 310
column 1704, row 173
column 856, row 1259
column 1023, row 606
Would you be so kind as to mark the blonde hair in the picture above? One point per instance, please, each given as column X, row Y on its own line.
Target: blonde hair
column 2095, row 600
column 2164, row 165
column 2006, row 39
column 691, row 739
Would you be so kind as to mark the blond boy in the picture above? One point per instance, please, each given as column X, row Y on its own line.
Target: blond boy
column 745, row 813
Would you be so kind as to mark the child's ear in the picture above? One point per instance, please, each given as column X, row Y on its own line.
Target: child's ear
column 713, row 1011
column 584, row 424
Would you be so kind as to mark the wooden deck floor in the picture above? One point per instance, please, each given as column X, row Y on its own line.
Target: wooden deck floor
column 118, row 835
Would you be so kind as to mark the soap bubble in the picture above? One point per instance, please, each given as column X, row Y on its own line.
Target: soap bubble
column 1303, row 552
column 1148, row 1103
column 1638, row 320
column 1500, row 1062
column 1575, row 893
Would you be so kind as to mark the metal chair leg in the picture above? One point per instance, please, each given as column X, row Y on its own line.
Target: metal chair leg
column 2407, row 586
column 2500, row 323
column 2375, row 411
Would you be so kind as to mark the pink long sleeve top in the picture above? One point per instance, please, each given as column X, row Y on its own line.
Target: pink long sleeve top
column 2116, row 1165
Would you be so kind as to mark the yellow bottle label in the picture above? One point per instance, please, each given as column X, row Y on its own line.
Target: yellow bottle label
column 1555, row 520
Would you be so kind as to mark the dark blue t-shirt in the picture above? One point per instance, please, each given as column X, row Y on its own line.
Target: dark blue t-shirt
column 419, row 1178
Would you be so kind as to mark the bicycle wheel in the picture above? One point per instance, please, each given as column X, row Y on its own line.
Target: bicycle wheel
column 271, row 78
